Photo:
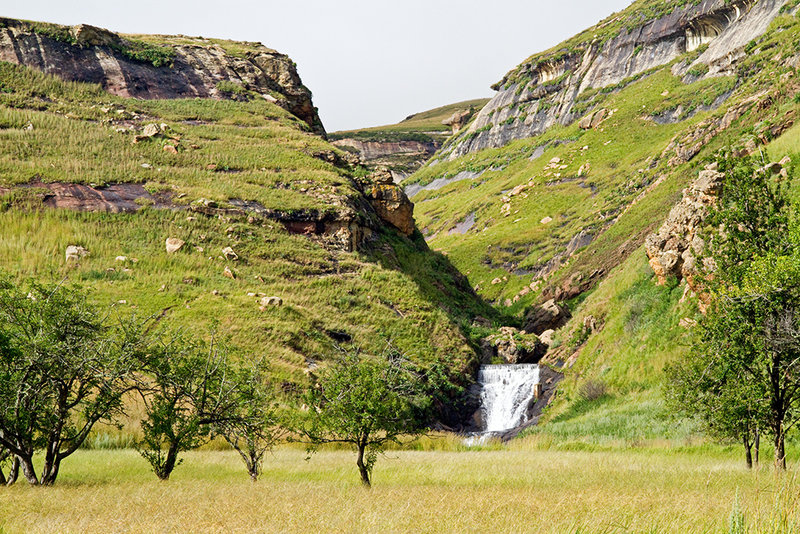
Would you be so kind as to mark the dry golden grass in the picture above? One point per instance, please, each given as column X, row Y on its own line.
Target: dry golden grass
column 516, row 489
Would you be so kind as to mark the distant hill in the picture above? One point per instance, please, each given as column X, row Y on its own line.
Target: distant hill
column 405, row 146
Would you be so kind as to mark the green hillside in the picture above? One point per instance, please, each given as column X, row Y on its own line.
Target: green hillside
column 564, row 214
column 208, row 157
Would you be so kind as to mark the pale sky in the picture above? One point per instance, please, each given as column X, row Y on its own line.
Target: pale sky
column 368, row 62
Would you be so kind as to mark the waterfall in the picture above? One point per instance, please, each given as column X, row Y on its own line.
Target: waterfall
column 506, row 393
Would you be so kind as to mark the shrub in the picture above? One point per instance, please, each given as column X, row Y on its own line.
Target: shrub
column 592, row 390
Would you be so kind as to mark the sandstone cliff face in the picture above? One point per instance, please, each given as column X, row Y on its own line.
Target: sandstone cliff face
column 674, row 249
column 390, row 202
column 94, row 55
column 370, row 151
column 544, row 91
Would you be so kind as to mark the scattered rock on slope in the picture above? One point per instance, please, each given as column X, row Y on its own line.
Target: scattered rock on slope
column 173, row 244
column 548, row 316
column 75, row 253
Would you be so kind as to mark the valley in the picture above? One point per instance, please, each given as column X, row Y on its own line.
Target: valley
column 522, row 283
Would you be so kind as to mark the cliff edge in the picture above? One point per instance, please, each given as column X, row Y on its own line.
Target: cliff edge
column 159, row 67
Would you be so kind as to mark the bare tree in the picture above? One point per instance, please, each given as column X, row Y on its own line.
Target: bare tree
column 253, row 426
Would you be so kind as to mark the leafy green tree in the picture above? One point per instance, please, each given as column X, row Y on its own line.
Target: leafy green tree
column 253, row 425
column 62, row 369
column 709, row 386
column 366, row 402
column 743, row 373
column 186, row 388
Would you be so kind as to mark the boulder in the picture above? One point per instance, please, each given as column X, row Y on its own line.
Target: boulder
column 513, row 346
column 150, row 130
column 267, row 302
column 229, row 254
column 457, row 120
column 546, row 337
column 75, row 253
column 174, row 244
column 391, row 203
column 593, row 120
column 548, row 316
column 599, row 117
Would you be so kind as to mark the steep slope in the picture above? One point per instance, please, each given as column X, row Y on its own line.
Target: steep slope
column 557, row 87
column 203, row 210
column 564, row 214
column 157, row 67
column 406, row 146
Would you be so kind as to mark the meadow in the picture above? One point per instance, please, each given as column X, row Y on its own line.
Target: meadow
column 528, row 486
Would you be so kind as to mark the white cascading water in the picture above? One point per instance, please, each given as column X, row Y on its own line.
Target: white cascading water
column 506, row 393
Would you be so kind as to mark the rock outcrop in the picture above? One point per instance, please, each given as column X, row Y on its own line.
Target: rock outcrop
column 543, row 92
column 458, row 120
column 513, row 347
column 402, row 157
column 390, row 202
column 674, row 249
column 548, row 316
column 95, row 55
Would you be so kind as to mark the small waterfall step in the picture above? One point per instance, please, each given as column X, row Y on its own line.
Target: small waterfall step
column 507, row 392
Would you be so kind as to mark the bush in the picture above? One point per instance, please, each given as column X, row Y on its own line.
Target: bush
column 592, row 390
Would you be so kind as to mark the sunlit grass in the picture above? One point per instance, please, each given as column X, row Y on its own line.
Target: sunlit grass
column 516, row 489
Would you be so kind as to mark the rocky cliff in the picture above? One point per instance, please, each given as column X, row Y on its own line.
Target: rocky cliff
column 558, row 86
column 159, row 67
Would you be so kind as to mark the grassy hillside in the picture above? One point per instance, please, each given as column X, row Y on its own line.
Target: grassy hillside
column 393, row 288
column 423, row 126
column 556, row 214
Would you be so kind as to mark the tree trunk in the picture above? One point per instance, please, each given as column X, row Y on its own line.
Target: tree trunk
column 29, row 471
column 757, row 443
column 747, row 451
column 13, row 473
column 252, row 466
column 362, row 467
column 165, row 470
column 780, row 450
column 49, row 476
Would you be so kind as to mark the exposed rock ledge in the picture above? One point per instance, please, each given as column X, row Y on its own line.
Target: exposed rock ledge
column 543, row 93
column 348, row 227
column 96, row 58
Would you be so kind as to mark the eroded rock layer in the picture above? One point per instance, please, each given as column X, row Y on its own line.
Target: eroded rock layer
column 94, row 55
column 545, row 91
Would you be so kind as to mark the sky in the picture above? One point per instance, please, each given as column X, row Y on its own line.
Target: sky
column 368, row 62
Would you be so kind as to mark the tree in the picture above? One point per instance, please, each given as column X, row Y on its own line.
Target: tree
column 185, row 389
column 62, row 369
column 253, row 426
column 366, row 402
column 708, row 385
column 743, row 373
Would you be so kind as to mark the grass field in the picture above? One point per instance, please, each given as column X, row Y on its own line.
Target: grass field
column 521, row 488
